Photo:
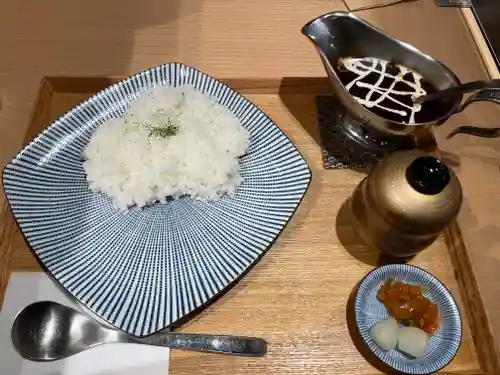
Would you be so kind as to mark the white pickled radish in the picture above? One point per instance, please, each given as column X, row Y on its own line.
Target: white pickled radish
column 385, row 333
column 413, row 341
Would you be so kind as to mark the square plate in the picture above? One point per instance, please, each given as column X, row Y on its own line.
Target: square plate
column 144, row 269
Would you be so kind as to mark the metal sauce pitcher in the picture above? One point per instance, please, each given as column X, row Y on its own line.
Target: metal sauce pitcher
column 340, row 35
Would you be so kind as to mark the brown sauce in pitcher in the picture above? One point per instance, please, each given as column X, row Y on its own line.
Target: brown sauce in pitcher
column 388, row 89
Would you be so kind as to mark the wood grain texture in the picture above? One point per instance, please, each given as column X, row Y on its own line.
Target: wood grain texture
column 10, row 237
column 358, row 5
column 444, row 34
column 297, row 297
column 264, row 42
column 480, row 324
column 256, row 39
column 7, row 230
column 481, row 43
column 479, row 321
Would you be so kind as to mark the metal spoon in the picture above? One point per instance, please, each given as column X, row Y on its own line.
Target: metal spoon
column 47, row 331
column 460, row 89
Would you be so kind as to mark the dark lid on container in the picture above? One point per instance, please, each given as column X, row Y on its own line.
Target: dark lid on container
column 416, row 191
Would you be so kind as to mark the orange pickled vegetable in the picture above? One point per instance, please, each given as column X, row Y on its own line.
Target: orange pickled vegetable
column 407, row 304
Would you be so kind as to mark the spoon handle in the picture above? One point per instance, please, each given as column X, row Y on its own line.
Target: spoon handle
column 460, row 89
column 235, row 345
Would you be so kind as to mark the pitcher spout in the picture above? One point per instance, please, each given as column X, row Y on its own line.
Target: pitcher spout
column 321, row 32
column 328, row 36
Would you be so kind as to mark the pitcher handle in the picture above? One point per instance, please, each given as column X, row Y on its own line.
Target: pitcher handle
column 489, row 95
column 476, row 131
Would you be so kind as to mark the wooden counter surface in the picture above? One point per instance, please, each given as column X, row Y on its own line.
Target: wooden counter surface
column 481, row 43
column 258, row 40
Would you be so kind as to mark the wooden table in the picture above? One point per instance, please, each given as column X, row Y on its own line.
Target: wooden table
column 481, row 43
column 292, row 297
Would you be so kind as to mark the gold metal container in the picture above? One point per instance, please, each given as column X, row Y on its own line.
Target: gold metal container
column 404, row 203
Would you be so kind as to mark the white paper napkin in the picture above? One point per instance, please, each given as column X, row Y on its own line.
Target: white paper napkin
column 110, row 359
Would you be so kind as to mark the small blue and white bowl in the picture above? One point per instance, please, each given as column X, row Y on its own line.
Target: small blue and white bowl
column 442, row 346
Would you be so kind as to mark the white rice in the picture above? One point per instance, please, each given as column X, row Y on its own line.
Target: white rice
column 135, row 167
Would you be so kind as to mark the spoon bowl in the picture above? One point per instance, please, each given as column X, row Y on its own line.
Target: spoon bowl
column 48, row 331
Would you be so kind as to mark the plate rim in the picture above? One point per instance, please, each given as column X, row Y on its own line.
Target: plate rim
column 435, row 279
column 180, row 320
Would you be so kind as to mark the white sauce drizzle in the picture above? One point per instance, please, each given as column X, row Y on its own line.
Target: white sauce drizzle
column 363, row 67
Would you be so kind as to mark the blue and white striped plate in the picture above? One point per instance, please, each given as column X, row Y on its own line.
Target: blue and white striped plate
column 369, row 310
column 145, row 269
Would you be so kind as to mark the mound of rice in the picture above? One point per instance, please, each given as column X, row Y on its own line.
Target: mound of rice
column 171, row 141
